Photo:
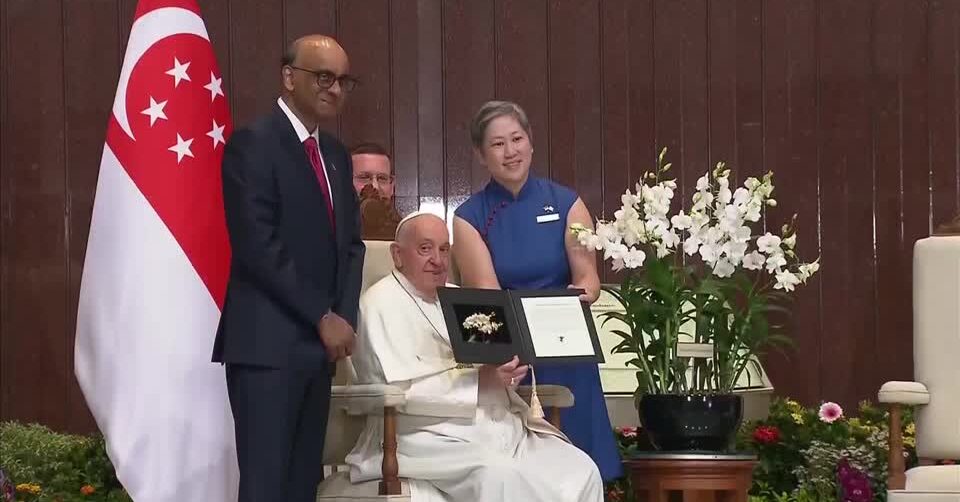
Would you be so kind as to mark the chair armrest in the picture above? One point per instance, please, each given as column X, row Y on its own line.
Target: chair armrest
column 551, row 396
column 908, row 393
column 368, row 399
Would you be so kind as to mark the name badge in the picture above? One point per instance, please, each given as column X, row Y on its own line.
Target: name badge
column 543, row 218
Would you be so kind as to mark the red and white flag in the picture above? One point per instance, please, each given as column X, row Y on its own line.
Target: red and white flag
column 156, row 267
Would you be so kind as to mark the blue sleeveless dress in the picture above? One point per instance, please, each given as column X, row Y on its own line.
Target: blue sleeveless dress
column 531, row 255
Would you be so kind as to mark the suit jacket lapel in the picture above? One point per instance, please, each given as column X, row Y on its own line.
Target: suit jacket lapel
column 292, row 147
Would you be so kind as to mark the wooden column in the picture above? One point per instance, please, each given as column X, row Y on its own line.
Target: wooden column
column 896, row 477
column 390, row 467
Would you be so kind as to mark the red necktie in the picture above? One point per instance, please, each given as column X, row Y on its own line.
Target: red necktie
column 313, row 153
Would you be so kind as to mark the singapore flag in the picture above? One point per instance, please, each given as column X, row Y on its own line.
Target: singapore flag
column 156, row 267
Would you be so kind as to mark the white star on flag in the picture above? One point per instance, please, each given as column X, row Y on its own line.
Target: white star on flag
column 179, row 72
column 155, row 111
column 182, row 148
column 217, row 134
column 214, row 87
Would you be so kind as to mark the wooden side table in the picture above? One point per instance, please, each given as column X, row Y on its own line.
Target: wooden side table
column 691, row 477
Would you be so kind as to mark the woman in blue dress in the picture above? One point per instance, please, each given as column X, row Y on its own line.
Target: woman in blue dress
column 514, row 234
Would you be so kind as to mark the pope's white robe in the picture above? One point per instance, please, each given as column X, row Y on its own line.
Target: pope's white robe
column 460, row 437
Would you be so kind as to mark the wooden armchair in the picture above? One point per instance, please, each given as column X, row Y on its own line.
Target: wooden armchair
column 352, row 405
column 936, row 357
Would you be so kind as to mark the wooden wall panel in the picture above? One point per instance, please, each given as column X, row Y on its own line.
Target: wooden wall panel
column 790, row 149
column 576, row 147
column 522, row 65
column 256, row 45
column 365, row 34
column 469, row 80
column 6, row 373
column 749, row 69
column 944, row 27
column 852, row 104
column 914, row 165
column 36, row 278
column 430, row 105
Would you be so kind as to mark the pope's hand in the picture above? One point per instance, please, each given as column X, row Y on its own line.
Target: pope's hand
column 512, row 372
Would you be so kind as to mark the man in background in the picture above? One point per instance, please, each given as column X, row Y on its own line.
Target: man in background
column 374, row 181
column 371, row 166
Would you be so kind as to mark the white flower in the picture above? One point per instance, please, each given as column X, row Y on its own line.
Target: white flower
column 482, row 322
column 692, row 245
column 723, row 268
column 768, row 243
column 703, row 183
column 774, row 262
column 634, row 258
column 608, row 233
column 753, row 212
column 710, row 252
column 807, row 270
column 681, row 221
column 668, row 237
column 791, row 241
column 634, row 232
column 754, row 261
column 741, row 234
column 786, row 280
column 615, row 251
column 741, row 196
column 591, row 241
column 772, row 202
column 734, row 250
column 751, row 183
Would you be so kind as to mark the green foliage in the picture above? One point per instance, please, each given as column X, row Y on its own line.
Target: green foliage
column 798, row 462
column 57, row 466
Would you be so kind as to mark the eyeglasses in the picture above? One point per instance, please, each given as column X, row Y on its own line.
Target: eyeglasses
column 325, row 79
column 367, row 178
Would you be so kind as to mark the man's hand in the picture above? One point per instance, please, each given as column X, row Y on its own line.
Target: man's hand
column 337, row 336
column 511, row 373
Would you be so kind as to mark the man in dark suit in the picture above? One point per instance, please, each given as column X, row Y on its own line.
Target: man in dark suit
column 291, row 306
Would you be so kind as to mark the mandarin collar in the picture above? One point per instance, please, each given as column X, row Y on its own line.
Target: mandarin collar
column 499, row 192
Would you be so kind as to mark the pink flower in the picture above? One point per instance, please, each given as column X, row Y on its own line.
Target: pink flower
column 629, row 432
column 830, row 412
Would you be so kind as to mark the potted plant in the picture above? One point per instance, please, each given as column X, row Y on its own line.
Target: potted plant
column 704, row 277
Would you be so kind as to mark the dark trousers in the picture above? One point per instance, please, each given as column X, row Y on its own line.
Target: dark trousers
column 280, row 417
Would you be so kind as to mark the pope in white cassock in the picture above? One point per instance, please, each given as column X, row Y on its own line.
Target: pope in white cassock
column 464, row 433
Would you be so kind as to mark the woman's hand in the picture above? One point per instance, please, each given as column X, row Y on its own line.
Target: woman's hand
column 591, row 292
column 511, row 373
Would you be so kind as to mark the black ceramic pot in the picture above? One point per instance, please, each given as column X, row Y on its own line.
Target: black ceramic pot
column 685, row 423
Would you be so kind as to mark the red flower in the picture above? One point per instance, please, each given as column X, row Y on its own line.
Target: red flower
column 766, row 434
column 629, row 432
column 87, row 490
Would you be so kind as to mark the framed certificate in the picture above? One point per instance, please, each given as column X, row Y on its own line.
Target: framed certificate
column 539, row 326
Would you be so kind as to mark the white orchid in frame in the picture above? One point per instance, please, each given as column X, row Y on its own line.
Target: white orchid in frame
column 482, row 325
column 711, row 265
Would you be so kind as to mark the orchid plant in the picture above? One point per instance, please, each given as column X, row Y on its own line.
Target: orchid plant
column 705, row 276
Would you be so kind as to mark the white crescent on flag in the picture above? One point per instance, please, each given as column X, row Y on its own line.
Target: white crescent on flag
column 156, row 268
column 145, row 32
